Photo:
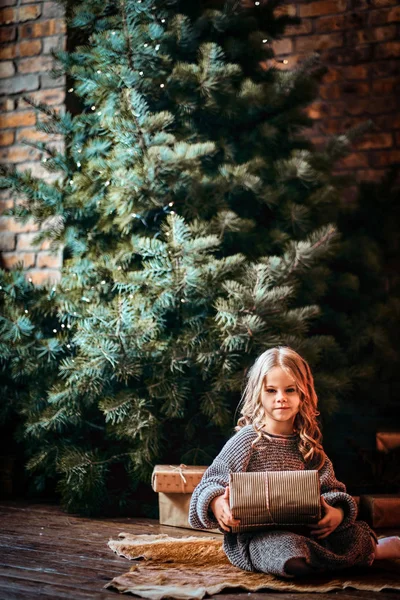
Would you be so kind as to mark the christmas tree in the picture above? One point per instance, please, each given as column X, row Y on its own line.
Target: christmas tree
column 195, row 221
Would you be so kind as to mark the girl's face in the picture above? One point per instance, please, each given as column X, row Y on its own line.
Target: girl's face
column 281, row 400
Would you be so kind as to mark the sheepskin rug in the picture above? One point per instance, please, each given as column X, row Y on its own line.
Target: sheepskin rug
column 191, row 567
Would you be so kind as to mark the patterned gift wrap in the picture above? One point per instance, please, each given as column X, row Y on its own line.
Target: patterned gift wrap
column 274, row 498
column 176, row 479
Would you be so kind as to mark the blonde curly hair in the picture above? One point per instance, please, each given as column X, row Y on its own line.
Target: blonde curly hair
column 305, row 423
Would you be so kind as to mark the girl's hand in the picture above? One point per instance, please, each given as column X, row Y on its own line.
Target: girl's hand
column 329, row 522
column 222, row 511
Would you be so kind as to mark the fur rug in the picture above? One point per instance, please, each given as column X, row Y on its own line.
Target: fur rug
column 191, row 567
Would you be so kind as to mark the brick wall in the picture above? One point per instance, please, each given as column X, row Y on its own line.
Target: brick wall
column 29, row 31
column 359, row 44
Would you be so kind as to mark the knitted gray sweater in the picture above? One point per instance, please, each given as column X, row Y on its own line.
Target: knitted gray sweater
column 351, row 543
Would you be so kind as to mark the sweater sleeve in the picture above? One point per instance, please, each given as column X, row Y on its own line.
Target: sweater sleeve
column 233, row 457
column 334, row 493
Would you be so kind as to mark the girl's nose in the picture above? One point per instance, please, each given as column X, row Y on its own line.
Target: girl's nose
column 280, row 396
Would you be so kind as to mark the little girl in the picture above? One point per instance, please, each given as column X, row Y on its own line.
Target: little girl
column 278, row 431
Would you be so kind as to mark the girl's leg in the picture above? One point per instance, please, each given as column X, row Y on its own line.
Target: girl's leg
column 388, row 548
column 279, row 553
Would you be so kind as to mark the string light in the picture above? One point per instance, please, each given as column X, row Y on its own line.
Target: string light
column 103, row 282
column 78, row 164
column 265, row 41
column 107, row 183
column 162, row 85
column 68, row 326
column 25, row 311
column 68, row 346
column 99, row 113
column 285, row 62
column 119, row 268
column 162, row 20
column 98, row 71
column 80, row 151
column 30, row 279
column 71, row 90
column 257, row 3
column 158, row 47
column 45, row 160
column 171, row 204
column 140, row 72
column 71, row 182
column 113, row 33
column 63, row 326
column 54, row 330
column 93, row 108
column 173, row 212
column 145, row 45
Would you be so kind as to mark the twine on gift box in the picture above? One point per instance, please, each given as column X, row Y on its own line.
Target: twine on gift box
column 179, row 470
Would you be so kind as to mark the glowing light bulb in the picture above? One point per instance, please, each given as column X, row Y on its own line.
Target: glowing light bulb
column 162, row 85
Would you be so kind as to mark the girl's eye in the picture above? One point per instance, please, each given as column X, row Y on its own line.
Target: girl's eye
column 270, row 391
column 291, row 390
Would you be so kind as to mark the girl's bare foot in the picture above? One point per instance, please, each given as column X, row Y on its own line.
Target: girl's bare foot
column 388, row 548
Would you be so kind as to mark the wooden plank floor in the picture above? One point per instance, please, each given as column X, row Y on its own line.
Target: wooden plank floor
column 50, row 555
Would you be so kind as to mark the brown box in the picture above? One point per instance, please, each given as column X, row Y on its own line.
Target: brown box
column 387, row 440
column 176, row 479
column 174, row 510
column 381, row 510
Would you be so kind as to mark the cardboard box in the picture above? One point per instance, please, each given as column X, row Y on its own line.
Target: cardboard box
column 381, row 510
column 387, row 440
column 174, row 511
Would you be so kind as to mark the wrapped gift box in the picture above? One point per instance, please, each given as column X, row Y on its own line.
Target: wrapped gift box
column 381, row 510
column 176, row 479
column 387, row 440
column 174, row 485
